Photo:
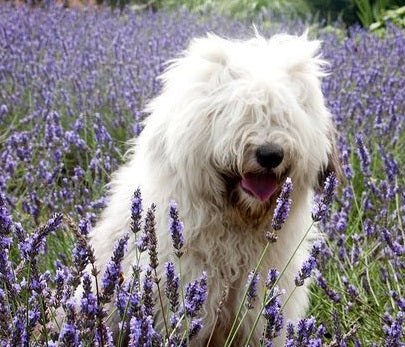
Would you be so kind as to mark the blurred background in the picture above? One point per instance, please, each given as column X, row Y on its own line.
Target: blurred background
column 371, row 14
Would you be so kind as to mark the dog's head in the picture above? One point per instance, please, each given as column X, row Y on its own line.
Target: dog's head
column 241, row 116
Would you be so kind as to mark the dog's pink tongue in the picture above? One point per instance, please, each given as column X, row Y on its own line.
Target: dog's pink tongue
column 261, row 187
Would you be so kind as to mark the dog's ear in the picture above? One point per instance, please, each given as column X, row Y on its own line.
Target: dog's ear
column 334, row 163
column 300, row 55
column 212, row 48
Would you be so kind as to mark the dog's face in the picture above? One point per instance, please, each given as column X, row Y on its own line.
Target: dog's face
column 245, row 115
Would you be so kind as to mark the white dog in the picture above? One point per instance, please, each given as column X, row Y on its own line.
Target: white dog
column 233, row 120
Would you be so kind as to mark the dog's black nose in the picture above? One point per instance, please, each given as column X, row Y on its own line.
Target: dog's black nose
column 269, row 156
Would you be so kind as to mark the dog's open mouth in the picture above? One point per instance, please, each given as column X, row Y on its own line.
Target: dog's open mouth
column 261, row 186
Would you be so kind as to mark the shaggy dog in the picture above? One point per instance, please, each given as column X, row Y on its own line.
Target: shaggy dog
column 233, row 120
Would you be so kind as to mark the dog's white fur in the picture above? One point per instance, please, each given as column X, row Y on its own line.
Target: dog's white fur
column 220, row 101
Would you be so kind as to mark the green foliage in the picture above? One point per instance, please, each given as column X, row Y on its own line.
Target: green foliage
column 276, row 8
column 350, row 12
column 397, row 17
column 242, row 9
column 370, row 12
column 333, row 10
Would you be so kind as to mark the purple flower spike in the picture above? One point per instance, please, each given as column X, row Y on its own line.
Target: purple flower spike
column 5, row 328
column 308, row 265
column 5, row 218
column 150, row 233
column 35, row 244
column 391, row 166
column 195, row 295
column 290, row 335
column 195, row 328
column 274, row 316
column 394, row 245
column 19, row 334
column 172, row 286
column 112, row 272
column 321, row 206
column 337, row 329
column 305, row 328
column 69, row 336
column 7, row 275
column 88, row 303
column 176, row 229
column 283, row 205
column 306, row 269
column 321, row 282
column 142, row 333
column 147, row 295
column 364, row 155
column 251, row 284
column 84, row 226
column 394, row 332
column 272, row 278
column 136, row 333
column 143, row 242
column 136, row 211
column 400, row 301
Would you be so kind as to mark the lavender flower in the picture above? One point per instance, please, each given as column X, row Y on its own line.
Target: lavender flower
column 394, row 332
column 321, row 282
column 80, row 256
column 121, row 301
column 195, row 295
column 142, row 333
column 88, row 303
column 103, row 336
column 19, row 334
column 394, row 245
column 3, row 111
column 251, row 293
column 136, row 211
column 347, row 168
column 400, row 301
column 147, row 295
column 150, row 232
column 308, row 265
column 356, row 250
column 136, row 334
column 306, row 334
column 273, row 314
column 195, row 328
column 306, row 269
column 391, row 166
column 69, row 336
column 172, row 286
column 351, row 289
column 272, row 277
column 176, row 229
column 84, row 226
column 143, row 241
column 305, row 328
column 5, row 218
column 321, row 206
column 364, row 155
column 5, row 329
column 112, row 272
column 339, row 338
column 283, row 205
column 290, row 335
column 35, row 244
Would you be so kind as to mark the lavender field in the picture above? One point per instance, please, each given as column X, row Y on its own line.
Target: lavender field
column 73, row 84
